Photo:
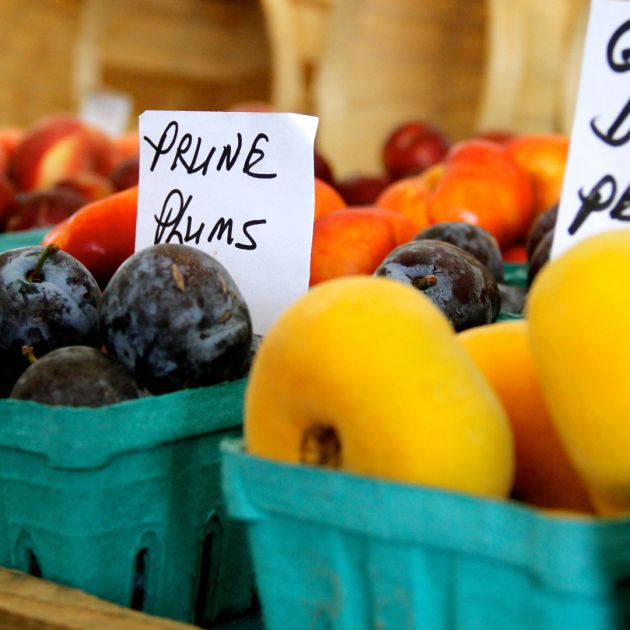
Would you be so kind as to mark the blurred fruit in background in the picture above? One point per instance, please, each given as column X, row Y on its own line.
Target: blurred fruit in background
column 362, row 190
column 323, row 169
column 544, row 157
column 354, row 241
column 327, row 199
column 59, row 146
column 411, row 196
column 100, row 234
column 481, row 184
column 412, row 147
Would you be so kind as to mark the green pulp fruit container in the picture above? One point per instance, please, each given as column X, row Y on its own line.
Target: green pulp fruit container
column 9, row 240
column 125, row 501
column 332, row 550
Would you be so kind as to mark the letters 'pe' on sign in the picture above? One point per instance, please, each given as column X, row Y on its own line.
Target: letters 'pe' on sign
column 240, row 187
column 596, row 188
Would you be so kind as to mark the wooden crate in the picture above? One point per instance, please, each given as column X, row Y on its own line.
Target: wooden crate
column 365, row 66
column 29, row 602
column 165, row 54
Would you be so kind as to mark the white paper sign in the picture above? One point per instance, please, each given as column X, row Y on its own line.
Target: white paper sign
column 108, row 111
column 239, row 186
column 596, row 189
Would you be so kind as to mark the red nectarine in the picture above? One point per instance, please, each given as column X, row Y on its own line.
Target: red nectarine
column 483, row 185
column 355, row 241
column 544, row 157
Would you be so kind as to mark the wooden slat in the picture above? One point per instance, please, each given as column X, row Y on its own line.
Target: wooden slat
column 180, row 54
column 28, row 602
column 297, row 30
column 386, row 61
column 532, row 64
column 36, row 59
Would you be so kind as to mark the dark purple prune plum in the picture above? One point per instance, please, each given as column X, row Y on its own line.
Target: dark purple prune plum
column 76, row 376
column 472, row 238
column 48, row 299
column 540, row 257
column 253, row 349
column 512, row 298
column 542, row 224
column 176, row 319
column 454, row 280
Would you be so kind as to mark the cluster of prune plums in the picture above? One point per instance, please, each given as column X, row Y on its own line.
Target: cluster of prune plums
column 457, row 265
column 170, row 318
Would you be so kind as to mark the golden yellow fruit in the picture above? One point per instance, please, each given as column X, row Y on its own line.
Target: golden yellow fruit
column 365, row 374
column 545, row 476
column 579, row 318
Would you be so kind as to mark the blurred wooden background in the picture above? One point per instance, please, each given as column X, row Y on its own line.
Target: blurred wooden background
column 362, row 65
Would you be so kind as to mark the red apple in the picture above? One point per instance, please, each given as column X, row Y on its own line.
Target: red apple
column 7, row 196
column 323, row 169
column 362, row 190
column 41, row 208
column 354, row 241
column 126, row 174
column 57, row 147
column 91, row 185
column 482, row 184
column 413, row 147
column 495, row 135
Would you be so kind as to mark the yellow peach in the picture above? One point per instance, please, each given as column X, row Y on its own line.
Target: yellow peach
column 578, row 311
column 365, row 374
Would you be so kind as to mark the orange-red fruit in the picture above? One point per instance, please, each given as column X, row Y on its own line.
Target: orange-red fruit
column 57, row 147
column 483, row 185
column 545, row 476
column 327, row 199
column 411, row 196
column 544, row 157
column 355, row 240
column 101, row 234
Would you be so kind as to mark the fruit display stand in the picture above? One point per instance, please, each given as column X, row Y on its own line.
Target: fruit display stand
column 336, row 550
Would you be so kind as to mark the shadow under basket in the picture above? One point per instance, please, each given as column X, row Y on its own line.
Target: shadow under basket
column 124, row 501
column 335, row 550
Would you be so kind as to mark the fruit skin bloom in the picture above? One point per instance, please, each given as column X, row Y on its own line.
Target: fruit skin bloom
column 365, row 374
column 48, row 299
column 175, row 318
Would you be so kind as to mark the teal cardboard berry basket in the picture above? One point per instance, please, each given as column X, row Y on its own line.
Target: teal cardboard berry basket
column 125, row 502
column 339, row 551
column 9, row 240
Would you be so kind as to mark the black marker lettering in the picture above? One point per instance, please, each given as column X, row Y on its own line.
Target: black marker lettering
column 193, row 236
column 182, row 147
column 159, row 148
column 259, row 155
column 164, row 222
column 619, row 211
column 203, row 167
column 226, row 155
column 624, row 53
column 252, row 243
column 594, row 201
column 609, row 136
column 221, row 226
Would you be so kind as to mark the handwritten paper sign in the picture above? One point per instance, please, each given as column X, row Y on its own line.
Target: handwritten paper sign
column 238, row 186
column 596, row 189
